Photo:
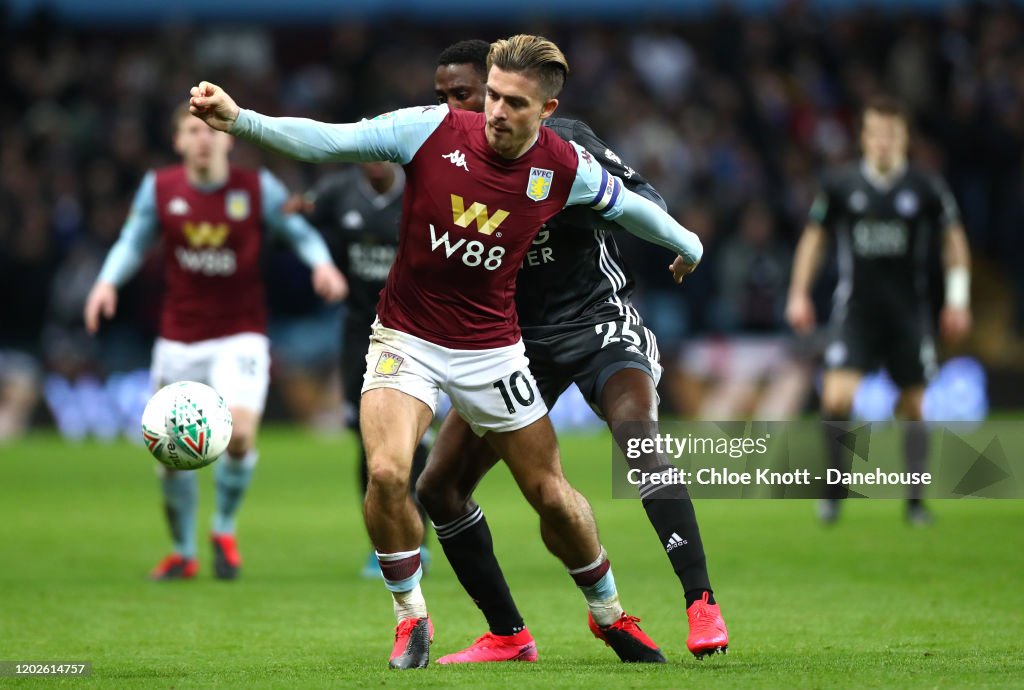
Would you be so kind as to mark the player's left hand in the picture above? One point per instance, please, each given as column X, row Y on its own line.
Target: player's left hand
column 329, row 283
column 681, row 268
column 954, row 323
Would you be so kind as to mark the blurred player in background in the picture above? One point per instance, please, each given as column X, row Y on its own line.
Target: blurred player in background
column 887, row 218
column 479, row 190
column 359, row 211
column 584, row 331
column 211, row 217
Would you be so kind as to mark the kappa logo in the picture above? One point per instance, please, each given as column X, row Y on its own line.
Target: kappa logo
column 539, row 185
column 178, row 207
column 485, row 223
column 674, row 542
column 458, row 159
column 389, row 364
column 205, row 234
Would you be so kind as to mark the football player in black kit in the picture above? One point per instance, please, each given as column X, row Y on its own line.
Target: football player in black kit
column 358, row 211
column 579, row 326
column 887, row 218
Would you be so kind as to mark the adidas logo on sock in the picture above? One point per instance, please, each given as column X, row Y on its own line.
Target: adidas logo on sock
column 674, row 541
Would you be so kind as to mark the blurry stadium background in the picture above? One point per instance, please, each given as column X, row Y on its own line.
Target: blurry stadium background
column 732, row 110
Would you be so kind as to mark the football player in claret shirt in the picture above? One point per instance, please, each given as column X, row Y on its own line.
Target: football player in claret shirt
column 479, row 187
column 359, row 212
column 887, row 219
column 584, row 330
column 211, row 217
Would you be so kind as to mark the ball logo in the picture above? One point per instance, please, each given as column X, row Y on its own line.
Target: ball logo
column 388, row 364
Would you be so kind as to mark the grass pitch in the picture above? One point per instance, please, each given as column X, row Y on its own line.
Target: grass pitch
column 869, row 602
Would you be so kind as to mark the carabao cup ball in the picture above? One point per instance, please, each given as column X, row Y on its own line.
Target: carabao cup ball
column 186, row 425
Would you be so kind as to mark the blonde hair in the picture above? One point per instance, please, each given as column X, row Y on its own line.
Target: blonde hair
column 533, row 55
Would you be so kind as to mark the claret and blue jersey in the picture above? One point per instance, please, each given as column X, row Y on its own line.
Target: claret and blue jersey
column 469, row 215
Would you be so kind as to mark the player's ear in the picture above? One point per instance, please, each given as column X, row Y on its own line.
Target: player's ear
column 548, row 109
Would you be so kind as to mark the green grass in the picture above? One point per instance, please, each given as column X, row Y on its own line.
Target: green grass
column 867, row 603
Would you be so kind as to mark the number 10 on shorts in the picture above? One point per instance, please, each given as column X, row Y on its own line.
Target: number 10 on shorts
column 517, row 387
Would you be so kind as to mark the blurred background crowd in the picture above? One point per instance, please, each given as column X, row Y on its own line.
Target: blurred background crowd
column 733, row 116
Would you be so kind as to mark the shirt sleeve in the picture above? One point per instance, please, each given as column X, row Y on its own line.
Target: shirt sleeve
column 594, row 187
column 294, row 228
column 605, row 193
column 822, row 208
column 394, row 136
column 947, row 208
column 138, row 234
column 648, row 221
column 587, row 139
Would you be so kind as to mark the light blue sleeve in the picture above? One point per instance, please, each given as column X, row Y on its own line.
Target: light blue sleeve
column 137, row 235
column 294, row 228
column 596, row 188
column 394, row 136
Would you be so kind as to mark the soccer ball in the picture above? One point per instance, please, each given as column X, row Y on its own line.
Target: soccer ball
column 186, row 425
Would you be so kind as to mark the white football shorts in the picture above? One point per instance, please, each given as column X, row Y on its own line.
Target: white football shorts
column 493, row 389
column 236, row 366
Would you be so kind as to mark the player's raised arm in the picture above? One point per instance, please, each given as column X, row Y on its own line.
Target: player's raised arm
column 606, row 194
column 125, row 256
column 307, row 243
column 394, row 136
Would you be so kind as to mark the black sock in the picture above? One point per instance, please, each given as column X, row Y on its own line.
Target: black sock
column 467, row 544
column 915, row 450
column 670, row 511
column 839, row 456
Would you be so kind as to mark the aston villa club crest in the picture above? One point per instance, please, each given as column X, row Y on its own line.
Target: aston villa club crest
column 388, row 364
column 237, row 204
column 539, row 185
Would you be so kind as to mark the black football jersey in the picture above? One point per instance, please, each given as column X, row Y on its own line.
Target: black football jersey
column 574, row 270
column 887, row 236
column 361, row 229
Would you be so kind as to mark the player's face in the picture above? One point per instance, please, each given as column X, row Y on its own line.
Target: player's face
column 515, row 106
column 200, row 145
column 461, row 87
column 884, row 139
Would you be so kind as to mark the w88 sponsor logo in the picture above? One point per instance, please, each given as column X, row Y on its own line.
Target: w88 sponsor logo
column 210, row 262
column 472, row 251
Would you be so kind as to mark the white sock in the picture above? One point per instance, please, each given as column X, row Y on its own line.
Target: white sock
column 409, row 604
column 605, row 611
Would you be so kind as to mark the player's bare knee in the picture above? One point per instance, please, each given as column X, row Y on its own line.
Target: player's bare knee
column 909, row 407
column 435, row 495
column 836, row 405
column 553, row 499
column 240, row 444
column 632, row 409
column 387, row 476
